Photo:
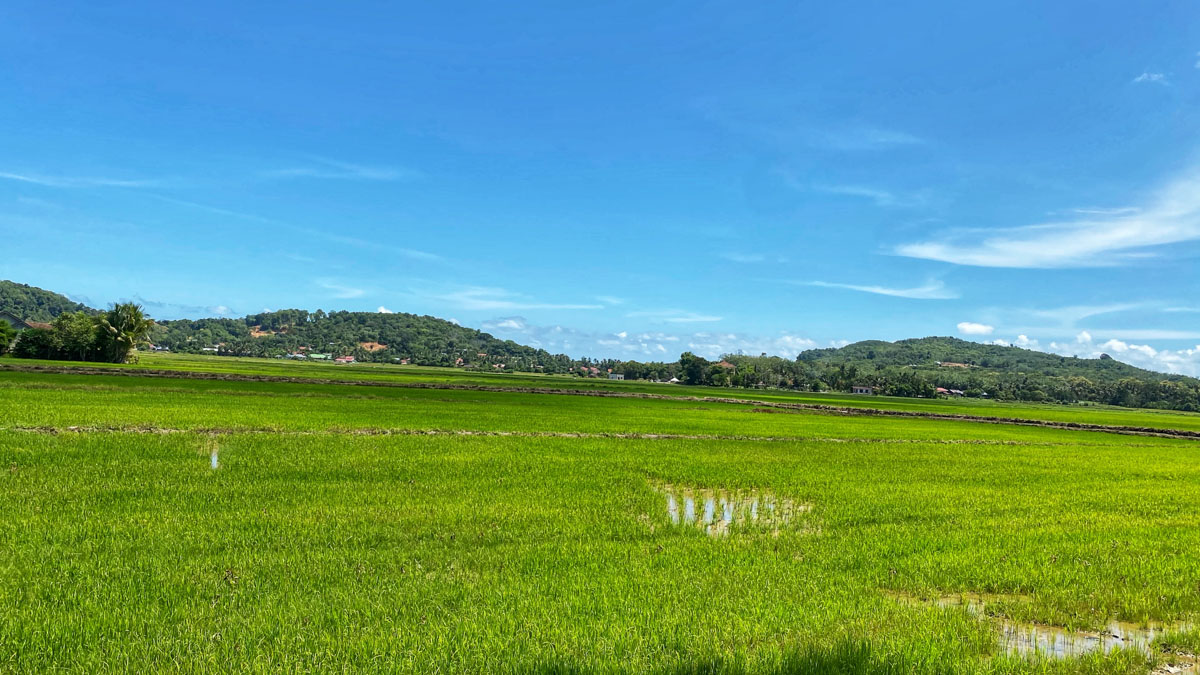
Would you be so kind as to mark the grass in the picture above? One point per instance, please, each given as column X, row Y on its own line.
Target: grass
column 316, row 548
column 395, row 374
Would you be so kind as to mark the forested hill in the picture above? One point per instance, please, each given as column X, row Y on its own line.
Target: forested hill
column 998, row 371
column 365, row 335
column 35, row 304
column 930, row 351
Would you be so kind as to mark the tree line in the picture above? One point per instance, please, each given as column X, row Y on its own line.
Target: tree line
column 112, row 336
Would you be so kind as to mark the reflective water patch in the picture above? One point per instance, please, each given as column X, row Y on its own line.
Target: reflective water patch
column 719, row 512
column 1052, row 641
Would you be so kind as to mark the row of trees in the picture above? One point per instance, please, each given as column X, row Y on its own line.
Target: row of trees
column 79, row 336
column 1112, row 383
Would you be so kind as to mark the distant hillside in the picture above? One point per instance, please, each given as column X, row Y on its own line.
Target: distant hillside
column 368, row 336
column 926, row 353
column 1002, row 372
column 35, row 304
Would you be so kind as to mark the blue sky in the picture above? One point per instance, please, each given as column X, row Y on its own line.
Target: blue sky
column 628, row 180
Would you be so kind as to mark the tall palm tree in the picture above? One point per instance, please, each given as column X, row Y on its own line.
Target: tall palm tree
column 123, row 328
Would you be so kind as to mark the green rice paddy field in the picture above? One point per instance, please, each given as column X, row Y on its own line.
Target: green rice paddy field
column 158, row 523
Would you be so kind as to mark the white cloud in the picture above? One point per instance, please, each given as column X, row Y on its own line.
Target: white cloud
column 610, row 300
column 512, row 323
column 752, row 258
column 339, row 290
column 384, row 310
column 1101, row 211
column 972, row 328
column 485, row 298
column 857, row 138
column 647, row 345
column 1147, row 76
column 673, row 316
column 1172, row 216
column 1180, row 361
column 881, row 197
column 335, row 169
column 75, row 181
column 934, row 290
column 410, row 253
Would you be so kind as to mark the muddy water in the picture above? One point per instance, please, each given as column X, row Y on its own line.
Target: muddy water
column 1053, row 641
column 718, row 512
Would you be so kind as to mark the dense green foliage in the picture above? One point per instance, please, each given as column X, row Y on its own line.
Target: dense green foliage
column 8, row 335
column 111, row 337
column 35, row 304
column 1007, row 373
column 295, row 541
column 368, row 336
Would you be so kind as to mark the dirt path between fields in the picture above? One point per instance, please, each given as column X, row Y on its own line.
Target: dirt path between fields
column 774, row 406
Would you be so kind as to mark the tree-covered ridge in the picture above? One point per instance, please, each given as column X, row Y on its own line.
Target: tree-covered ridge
column 368, row 336
column 930, row 351
column 1001, row 372
column 35, row 304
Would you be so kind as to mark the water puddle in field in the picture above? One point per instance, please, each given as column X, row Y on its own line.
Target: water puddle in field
column 717, row 512
column 211, row 447
column 1052, row 641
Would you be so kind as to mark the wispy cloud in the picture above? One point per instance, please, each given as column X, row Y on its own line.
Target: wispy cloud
column 373, row 245
column 1152, row 78
column 772, row 120
column 1172, row 216
column 1070, row 315
column 174, row 310
column 77, row 181
column 485, row 298
column 1099, row 211
column 340, row 290
column 1182, row 361
column 673, row 316
column 972, row 328
column 411, row 253
column 752, row 258
column 934, row 290
column 867, row 138
column 610, row 300
column 881, row 197
column 744, row 257
column 644, row 345
column 322, row 167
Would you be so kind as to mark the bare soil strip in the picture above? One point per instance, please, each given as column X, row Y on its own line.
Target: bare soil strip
column 774, row 405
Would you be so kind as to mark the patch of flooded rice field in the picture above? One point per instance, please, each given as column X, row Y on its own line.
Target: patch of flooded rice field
column 719, row 512
column 1022, row 638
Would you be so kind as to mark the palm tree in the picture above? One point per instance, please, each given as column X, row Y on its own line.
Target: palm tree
column 122, row 329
